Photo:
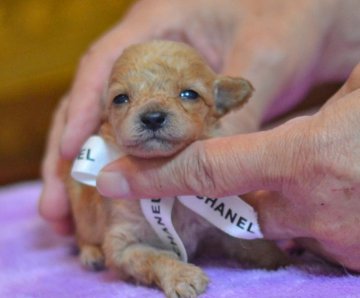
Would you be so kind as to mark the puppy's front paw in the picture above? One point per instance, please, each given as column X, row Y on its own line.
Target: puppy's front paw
column 92, row 257
column 186, row 281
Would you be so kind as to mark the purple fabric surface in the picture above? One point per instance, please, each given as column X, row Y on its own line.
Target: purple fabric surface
column 35, row 262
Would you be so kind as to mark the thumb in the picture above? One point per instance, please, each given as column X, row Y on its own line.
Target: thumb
column 215, row 167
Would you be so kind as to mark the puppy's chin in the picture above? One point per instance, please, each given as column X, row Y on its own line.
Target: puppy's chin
column 154, row 148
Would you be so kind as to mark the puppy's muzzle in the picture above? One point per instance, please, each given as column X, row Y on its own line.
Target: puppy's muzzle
column 153, row 120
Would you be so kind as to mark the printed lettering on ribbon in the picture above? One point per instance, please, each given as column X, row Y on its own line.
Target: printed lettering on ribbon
column 93, row 156
column 158, row 213
column 230, row 214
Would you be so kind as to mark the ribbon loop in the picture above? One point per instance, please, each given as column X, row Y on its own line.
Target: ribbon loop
column 93, row 156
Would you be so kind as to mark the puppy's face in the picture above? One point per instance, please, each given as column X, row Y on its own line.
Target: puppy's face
column 162, row 96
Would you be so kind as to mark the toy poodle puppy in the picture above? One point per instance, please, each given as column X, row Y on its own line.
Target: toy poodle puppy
column 161, row 96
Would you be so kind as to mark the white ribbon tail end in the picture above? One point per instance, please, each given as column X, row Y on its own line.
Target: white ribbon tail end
column 158, row 213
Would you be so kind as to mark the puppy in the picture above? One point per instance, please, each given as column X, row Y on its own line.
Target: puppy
column 161, row 96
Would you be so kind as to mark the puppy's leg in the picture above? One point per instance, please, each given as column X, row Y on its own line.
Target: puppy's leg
column 150, row 265
column 259, row 253
column 91, row 256
column 89, row 219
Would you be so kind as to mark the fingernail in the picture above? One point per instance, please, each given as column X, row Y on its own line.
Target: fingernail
column 112, row 185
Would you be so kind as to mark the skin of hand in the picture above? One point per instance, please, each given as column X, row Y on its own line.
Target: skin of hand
column 278, row 45
column 309, row 169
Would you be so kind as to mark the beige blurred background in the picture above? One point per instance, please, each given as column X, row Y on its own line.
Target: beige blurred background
column 41, row 42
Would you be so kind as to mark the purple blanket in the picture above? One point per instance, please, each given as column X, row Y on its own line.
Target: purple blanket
column 35, row 262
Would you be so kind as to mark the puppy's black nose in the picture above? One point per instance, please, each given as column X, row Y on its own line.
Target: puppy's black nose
column 153, row 120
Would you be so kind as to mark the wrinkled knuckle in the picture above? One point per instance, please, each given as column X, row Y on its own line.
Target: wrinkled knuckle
column 301, row 141
column 199, row 173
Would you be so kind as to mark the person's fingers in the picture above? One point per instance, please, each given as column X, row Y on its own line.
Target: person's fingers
column 290, row 216
column 53, row 204
column 277, row 216
column 215, row 167
column 351, row 84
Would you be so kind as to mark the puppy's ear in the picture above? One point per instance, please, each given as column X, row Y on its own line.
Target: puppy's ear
column 230, row 93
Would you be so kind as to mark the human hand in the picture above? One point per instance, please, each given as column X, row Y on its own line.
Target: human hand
column 254, row 39
column 309, row 167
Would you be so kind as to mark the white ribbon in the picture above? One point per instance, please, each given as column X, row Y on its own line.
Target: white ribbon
column 230, row 214
column 158, row 213
column 93, row 156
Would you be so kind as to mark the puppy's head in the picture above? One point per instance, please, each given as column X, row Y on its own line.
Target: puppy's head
column 163, row 96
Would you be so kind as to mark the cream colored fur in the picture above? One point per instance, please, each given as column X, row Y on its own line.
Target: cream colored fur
column 114, row 232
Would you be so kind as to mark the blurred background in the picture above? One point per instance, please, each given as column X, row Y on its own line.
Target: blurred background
column 41, row 42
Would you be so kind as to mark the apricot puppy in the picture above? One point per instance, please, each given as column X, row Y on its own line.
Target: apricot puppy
column 161, row 96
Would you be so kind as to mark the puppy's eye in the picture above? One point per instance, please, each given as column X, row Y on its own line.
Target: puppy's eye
column 189, row 94
column 121, row 99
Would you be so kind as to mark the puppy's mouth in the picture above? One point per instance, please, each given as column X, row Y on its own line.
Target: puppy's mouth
column 153, row 145
column 154, row 139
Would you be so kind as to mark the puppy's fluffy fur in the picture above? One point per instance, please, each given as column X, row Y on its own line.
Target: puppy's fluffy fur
column 161, row 97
